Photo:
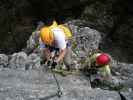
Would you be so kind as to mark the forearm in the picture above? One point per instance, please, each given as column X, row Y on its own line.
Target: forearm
column 61, row 55
column 47, row 53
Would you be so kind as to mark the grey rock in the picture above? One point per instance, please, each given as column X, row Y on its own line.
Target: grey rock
column 127, row 95
column 84, row 41
column 125, row 75
column 33, row 61
column 124, row 69
column 86, row 38
column 30, row 42
column 3, row 60
column 38, row 85
column 98, row 15
column 18, row 60
column 22, row 61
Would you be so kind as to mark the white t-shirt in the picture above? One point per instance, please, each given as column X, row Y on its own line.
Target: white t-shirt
column 59, row 36
column 60, row 40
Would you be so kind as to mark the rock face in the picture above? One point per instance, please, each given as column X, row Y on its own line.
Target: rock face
column 124, row 72
column 17, row 81
column 113, row 17
column 3, row 61
column 98, row 15
column 35, row 85
column 22, row 77
column 33, row 61
column 18, row 60
column 86, row 38
column 14, row 26
column 22, row 61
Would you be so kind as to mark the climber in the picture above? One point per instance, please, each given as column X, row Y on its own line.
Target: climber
column 54, row 37
column 101, row 62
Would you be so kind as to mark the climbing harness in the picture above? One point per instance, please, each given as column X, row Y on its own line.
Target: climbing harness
column 59, row 92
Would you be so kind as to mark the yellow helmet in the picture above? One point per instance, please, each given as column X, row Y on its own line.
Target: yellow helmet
column 46, row 35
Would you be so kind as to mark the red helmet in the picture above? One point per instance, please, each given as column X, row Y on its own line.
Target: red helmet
column 103, row 59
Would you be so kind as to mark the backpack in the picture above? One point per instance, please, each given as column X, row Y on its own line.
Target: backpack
column 66, row 30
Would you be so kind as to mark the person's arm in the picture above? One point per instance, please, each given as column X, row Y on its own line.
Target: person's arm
column 46, row 51
column 105, row 72
column 61, row 55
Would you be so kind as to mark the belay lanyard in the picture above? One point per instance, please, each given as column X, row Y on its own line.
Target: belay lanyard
column 59, row 92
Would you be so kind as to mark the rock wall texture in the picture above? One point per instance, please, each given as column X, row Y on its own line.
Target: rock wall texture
column 23, row 77
column 105, row 25
column 112, row 17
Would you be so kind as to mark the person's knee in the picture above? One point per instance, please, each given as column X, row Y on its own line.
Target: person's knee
column 67, row 60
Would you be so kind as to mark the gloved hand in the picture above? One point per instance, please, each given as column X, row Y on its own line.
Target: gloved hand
column 48, row 62
column 54, row 64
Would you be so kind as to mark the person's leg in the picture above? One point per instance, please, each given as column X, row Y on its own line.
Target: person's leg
column 68, row 58
column 45, row 54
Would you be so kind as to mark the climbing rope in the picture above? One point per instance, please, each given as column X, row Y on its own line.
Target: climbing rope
column 59, row 92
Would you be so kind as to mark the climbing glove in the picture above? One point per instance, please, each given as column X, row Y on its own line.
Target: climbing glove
column 54, row 64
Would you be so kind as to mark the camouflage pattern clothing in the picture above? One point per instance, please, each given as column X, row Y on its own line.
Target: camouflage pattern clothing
column 104, row 70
